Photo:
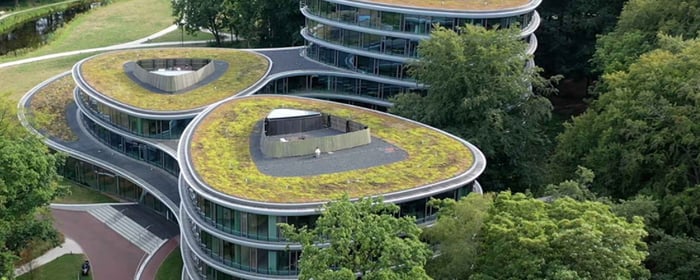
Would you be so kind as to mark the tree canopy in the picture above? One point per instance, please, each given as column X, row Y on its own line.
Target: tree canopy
column 487, row 99
column 268, row 23
column 638, row 26
column 363, row 237
column 515, row 236
column 642, row 134
column 28, row 183
column 567, row 34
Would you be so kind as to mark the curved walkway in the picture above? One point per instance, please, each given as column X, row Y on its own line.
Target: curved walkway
column 69, row 246
column 102, row 245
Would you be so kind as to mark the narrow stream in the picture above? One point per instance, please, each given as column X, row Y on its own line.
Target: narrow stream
column 36, row 32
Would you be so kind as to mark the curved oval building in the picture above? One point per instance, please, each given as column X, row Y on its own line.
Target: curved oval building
column 252, row 162
column 226, row 144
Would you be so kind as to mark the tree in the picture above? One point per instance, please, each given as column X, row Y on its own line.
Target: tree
column 363, row 237
column 456, row 232
column 567, row 34
column 196, row 14
column 637, row 29
column 674, row 257
column 526, row 238
column 268, row 23
column 642, row 134
column 486, row 99
column 28, row 183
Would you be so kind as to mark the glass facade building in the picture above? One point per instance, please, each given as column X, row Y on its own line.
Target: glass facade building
column 378, row 40
column 356, row 52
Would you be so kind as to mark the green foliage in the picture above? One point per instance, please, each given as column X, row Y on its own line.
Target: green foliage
column 637, row 29
column 564, row 239
column 171, row 267
column 269, row 23
column 28, row 182
column 487, row 99
column 196, row 14
column 456, row 232
column 578, row 189
column 642, row 133
column 567, row 33
column 674, row 257
column 681, row 213
column 362, row 237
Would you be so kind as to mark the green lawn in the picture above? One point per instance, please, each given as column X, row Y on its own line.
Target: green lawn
column 171, row 267
column 24, row 77
column 66, row 267
column 120, row 22
column 79, row 195
column 178, row 35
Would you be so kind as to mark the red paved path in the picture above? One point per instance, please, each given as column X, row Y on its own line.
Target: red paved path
column 112, row 257
column 149, row 273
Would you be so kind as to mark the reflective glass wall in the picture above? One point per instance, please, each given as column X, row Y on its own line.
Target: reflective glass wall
column 162, row 129
column 358, row 63
column 262, row 261
column 132, row 148
column 407, row 23
column 108, row 182
column 334, row 84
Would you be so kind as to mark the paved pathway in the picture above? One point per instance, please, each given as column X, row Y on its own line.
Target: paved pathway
column 151, row 269
column 69, row 246
column 111, row 256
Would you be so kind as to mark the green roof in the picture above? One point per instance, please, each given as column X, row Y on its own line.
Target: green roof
column 456, row 5
column 220, row 154
column 105, row 73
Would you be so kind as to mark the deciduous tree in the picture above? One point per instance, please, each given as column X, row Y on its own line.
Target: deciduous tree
column 480, row 90
column 360, row 238
column 526, row 238
column 643, row 133
column 28, row 182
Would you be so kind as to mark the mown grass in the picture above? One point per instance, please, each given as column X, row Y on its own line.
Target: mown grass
column 119, row 22
column 82, row 195
column 66, row 267
column 48, row 109
column 18, row 80
column 106, row 74
column 171, row 267
column 456, row 4
column 178, row 35
column 221, row 154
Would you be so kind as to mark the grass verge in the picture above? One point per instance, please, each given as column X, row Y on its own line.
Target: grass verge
column 171, row 267
column 81, row 195
column 178, row 35
column 66, row 267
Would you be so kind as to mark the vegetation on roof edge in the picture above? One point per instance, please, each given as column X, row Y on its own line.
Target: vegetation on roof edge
column 220, row 154
column 105, row 73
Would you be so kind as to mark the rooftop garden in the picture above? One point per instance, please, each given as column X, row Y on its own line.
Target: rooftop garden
column 105, row 73
column 220, row 152
column 48, row 109
column 468, row 5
